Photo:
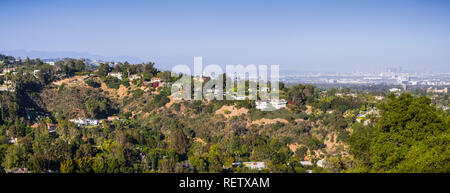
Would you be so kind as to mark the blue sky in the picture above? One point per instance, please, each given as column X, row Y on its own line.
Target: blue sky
column 318, row 35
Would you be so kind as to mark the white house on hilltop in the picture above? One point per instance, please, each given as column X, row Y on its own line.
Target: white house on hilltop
column 395, row 90
column 306, row 163
column 35, row 73
column 275, row 103
column 85, row 122
column 322, row 163
column 51, row 63
column 255, row 165
column 133, row 77
column 278, row 104
column 116, row 74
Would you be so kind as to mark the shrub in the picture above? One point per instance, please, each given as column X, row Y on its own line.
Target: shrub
column 93, row 83
column 301, row 152
column 314, row 144
column 112, row 82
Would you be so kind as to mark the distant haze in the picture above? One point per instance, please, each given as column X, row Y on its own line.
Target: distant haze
column 326, row 35
column 67, row 54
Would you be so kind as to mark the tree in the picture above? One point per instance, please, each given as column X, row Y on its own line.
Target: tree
column 15, row 157
column 93, row 83
column 301, row 152
column 300, row 95
column 98, row 108
column 168, row 163
column 313, row 143
column 84, row 165
column 200, row 163
column 150, row 69
column 215, row 160
column 103, row 70
column 67, row 166
column 410, row 136
column 112, row 82
column 80, row 65
column 180, row 141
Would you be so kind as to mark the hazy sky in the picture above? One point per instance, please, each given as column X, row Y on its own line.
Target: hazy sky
column 334, row 35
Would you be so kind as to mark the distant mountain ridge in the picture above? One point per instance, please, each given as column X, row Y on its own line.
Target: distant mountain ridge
column 68, row 54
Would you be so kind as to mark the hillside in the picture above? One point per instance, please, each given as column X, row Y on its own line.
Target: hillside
column 70, row 117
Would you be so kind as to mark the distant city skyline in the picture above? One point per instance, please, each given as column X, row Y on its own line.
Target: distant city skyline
column 335, row 36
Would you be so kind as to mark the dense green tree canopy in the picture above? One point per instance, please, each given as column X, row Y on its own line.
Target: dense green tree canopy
column 410, row 136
